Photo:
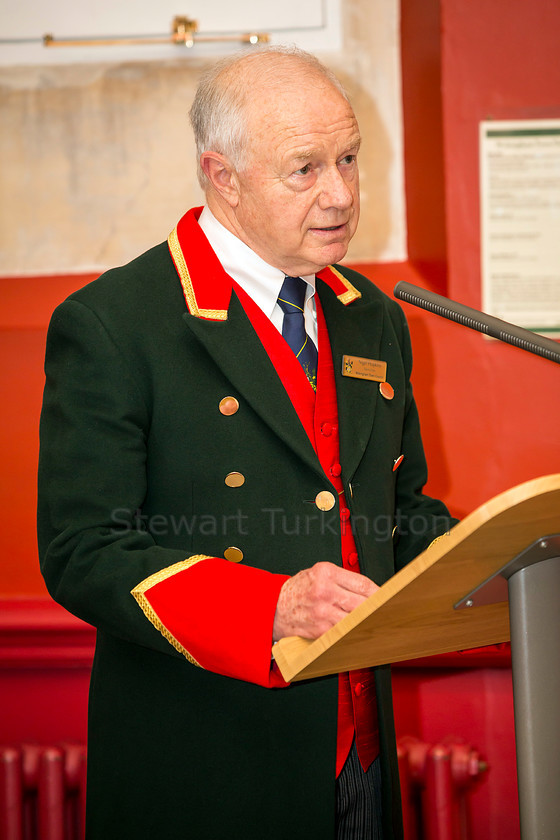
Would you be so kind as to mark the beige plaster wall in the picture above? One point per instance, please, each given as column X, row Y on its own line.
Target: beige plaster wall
column 97, row 161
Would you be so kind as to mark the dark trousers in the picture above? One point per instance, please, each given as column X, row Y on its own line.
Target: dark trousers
column 358, row 800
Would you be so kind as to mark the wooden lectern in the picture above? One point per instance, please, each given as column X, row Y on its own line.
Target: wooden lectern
column 497, row 569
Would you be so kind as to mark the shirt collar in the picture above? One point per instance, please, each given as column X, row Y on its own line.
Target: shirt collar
column 261, row 281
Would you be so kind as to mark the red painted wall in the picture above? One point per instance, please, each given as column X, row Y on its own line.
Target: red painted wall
column 26, row 304
column 499, row 61
column 490, row 411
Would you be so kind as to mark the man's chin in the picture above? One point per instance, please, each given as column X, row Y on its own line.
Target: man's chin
column 332, row 253
column 316, row 259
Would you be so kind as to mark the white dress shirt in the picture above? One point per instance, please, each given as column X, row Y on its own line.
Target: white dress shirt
column 259, row 280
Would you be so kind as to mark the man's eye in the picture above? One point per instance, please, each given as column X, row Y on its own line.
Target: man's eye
column 346, row 161
column 305, row 170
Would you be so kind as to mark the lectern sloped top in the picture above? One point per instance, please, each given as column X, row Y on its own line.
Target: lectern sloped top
column 413, row 615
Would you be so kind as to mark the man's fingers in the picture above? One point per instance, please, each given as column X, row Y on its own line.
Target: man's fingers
column 315, row 599
column 331, row 577
column 348, row 601
column 357, row 584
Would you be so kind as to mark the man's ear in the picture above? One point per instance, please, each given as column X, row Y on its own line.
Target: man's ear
column 221, row 175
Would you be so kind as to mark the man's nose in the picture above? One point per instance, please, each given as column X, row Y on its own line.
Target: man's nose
column 335, row 190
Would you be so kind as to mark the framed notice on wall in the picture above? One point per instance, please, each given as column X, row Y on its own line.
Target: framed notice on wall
column 520, row 222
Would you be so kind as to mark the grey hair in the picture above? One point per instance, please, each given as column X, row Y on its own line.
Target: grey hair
column 218, row 111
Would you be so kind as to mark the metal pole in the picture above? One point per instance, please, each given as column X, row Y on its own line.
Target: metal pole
column 534, row 609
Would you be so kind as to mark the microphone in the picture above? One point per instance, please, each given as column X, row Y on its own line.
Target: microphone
column 475, row 320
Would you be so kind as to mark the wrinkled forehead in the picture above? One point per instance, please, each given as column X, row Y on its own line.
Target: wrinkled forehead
column 300, row 99
column 302, row 117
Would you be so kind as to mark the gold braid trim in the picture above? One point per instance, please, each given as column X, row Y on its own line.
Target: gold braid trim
column 186, row 282
column 214, row 314
column 139, row 594
column 351, row 294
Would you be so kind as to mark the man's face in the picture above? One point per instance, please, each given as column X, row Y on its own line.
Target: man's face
column 298, row 195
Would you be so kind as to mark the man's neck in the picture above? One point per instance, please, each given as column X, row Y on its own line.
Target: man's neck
column 224, row 214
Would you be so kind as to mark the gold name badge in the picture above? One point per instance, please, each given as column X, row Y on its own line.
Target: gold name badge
column 360, row 368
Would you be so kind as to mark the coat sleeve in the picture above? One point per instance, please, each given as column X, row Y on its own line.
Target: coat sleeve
column 101, row 564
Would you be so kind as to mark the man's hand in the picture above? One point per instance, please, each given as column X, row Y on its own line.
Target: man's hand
column 313, row 600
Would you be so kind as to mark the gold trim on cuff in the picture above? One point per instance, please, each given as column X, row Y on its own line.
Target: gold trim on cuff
column 139, row 594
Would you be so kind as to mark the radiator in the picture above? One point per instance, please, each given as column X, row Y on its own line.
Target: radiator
column 436, row 780
column 42, row 792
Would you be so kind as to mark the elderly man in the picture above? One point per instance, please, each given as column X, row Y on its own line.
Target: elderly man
column 212, row 479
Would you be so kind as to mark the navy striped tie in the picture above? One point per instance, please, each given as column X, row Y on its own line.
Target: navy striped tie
column 291, row 301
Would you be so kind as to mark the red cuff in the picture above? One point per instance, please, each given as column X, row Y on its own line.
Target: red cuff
column 218, row 614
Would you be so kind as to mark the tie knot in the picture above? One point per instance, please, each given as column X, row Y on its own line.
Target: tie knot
column 292, row 295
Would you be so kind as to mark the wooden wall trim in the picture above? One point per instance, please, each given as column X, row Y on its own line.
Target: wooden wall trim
column 38, row 633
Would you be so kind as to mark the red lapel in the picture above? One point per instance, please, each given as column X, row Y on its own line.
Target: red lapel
column 206, row 286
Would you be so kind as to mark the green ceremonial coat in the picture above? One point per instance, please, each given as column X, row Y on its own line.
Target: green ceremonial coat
column 131, row 481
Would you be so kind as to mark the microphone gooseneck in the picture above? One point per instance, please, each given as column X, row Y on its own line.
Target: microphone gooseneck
column 475, row 320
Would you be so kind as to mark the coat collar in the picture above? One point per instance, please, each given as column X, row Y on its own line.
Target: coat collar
column 206, row 286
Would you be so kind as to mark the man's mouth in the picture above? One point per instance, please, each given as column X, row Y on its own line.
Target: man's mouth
column 332, row 228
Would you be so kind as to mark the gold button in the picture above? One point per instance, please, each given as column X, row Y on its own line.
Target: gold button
column 235, row 479
column 325, row 500
column 386, row 390
column 228, row 406
column 233, row 554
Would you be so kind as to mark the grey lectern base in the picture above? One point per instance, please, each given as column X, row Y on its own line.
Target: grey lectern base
column 531, row 583
column 534, row 608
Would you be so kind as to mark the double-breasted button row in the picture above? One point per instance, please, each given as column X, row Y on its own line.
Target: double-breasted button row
column 228, row 406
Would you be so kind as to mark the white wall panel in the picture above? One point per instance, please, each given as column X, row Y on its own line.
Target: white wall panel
column 314, row 26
